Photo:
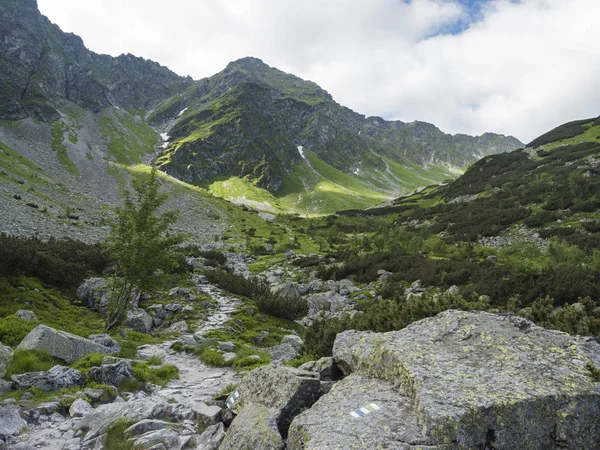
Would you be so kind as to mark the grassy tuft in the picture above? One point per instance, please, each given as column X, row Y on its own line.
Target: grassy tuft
column 31, row 361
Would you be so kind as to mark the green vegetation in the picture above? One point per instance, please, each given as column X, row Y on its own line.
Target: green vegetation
column 114, row 435
column 58, row 131
column 567, row 132
column 127, row 139
column 140, row 243
column 147, row 372
column 30, row 361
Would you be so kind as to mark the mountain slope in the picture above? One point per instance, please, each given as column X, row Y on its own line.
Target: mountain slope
column 250, row 119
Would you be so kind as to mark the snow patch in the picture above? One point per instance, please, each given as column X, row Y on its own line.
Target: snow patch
column 359, row 132
column 182, row 111
column 301, row 151
column 164, row 136
column 356, row 171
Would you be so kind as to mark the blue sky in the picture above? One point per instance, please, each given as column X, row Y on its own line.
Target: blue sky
column 467, row 66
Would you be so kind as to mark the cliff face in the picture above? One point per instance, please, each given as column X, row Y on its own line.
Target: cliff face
column 41, row 67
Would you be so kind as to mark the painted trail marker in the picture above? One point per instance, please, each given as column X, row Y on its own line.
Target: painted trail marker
column 232, row 399
column 361, row 412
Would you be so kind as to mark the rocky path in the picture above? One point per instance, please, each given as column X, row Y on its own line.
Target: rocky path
column 196, row 385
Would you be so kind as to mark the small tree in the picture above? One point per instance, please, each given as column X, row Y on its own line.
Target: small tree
column 140, row 243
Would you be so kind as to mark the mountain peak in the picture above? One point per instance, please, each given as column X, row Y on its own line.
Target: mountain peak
column 248, row 63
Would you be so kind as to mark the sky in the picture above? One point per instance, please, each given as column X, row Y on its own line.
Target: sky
column 516, row 67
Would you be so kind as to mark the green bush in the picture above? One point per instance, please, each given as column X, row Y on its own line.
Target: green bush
column 284, row 307
column 31, row 361
column 13, row 329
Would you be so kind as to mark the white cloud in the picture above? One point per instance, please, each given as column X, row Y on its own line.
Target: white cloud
column 523, row 68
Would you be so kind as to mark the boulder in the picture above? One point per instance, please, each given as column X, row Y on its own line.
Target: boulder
column 11, row 422
column 138, row 320
column 207, row 414
column 346, row 287
column 27, row 315
column 97, row 422
column 318, row 303
column 95, row 293
column 325, row 367
column 168, row 437
column 468, row 379
column 285, row 390
column 61, row 344
column 80, row 408
column 177, row 327
column 282, row 353
column 5, row 386
column 111, row 374
column 6, row 357
column 226, row 346
column 144, row 426
column 254, row 428
column 287, row 290
column 295, row 341
column 211, row 438
column 57, row 378
column 105, row 340
column 452, row 290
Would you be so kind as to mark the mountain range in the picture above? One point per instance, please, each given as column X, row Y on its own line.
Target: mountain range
column 251, row 133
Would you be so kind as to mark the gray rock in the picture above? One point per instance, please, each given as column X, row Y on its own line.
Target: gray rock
column 168, row 437
column 452, row 290
column 288, row 290
column 11, row 422
column 211, row 438
column 318, row 303
column 329, row 424
column 112, row 374
column 57, row 378
column 254, row 428
column 173, row 307
column 346, row 287
column 282, row 353
column 229, row 356
column 188, row 340
column 46, row 408
column 138, row 320
column 6, row 357
column 325, row 367
column 27, row 315
column 481, row 380
column 105, row 340
column 100, row 419
column 80, row 408
column 206, row 414
column 95, row 293
column 295, row 341
column 226, row 346
column 178, row 327
column 285, row 390
column 144, row 426
column 187, row 309
column 23, row 446
column 316, row 286
column 5, row 386
column 61, row 344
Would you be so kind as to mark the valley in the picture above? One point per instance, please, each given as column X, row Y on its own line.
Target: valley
column 318, row 278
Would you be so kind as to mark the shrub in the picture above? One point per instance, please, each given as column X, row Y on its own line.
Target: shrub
column 161, row 375
column 31, row 361
column 279, row 306
column 87, row 362
column 13, row 329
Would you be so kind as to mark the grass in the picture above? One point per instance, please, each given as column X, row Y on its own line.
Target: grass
column 134, row 340
column 114, row 435
column 30, row 361
column 57, row 132
column 89, row 361
column 591, row 134
column 51, row 306
column 148, row 373
column 127, row 140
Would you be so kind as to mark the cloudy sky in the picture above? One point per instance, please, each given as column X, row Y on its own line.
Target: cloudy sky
column 516, row 67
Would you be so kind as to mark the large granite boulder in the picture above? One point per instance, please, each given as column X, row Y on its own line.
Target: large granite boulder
column 55, row 379
column 212, row 437
column 289, row 290
column 285, row 390
column 459, row 380
column 254, row 428
column 6, row 357
column 61, row 344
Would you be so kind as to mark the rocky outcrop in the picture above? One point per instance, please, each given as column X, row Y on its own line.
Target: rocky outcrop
column 284, row 390
column 254, row 428
column 138, row 320
column 212, row 437
column 458, row 380
column 55, row 379
column 61, row 344
column 6, row 357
